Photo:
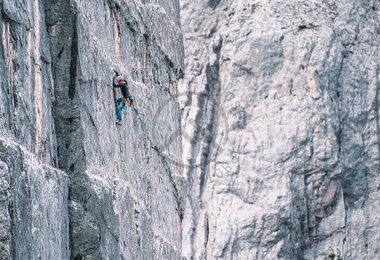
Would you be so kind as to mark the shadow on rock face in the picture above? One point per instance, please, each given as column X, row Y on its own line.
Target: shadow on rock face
column 213, row 3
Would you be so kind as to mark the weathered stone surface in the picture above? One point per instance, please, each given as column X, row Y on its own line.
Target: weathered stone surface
column 25, row 79
column 281, row 123
column 124, row 196
column 34, row 221
column 5, row 222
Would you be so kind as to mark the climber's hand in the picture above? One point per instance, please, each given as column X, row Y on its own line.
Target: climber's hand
column 128, row 101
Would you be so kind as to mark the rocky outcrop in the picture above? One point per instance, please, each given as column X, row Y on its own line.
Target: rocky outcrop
column 281, row 129
column 34, row 214
column 72, row 184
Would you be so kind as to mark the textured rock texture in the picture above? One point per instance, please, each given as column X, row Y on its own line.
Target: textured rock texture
column 34, row 208
column 281, row 129
column 72, row 185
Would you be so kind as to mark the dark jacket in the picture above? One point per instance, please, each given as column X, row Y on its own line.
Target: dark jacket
column 123, row 87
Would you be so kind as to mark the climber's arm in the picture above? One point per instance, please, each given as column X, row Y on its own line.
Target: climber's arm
column 114, row 84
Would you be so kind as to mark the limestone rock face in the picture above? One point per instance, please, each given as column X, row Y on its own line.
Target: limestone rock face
column 281, row 129
column 72, row 184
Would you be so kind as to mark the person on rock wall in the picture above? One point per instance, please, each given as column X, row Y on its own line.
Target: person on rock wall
column 121, row 103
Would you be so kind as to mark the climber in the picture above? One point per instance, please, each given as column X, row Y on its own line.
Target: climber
column 126, row 100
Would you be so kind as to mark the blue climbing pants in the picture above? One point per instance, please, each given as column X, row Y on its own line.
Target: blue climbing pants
column 119, row 108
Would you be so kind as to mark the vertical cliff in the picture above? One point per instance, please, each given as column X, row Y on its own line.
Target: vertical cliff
column 72, row 184
column 281, row 129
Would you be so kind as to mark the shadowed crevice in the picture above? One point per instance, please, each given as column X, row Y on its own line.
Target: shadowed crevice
column 74, row 60
column 213, row 3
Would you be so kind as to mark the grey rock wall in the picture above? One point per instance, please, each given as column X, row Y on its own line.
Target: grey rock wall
column 34, row 207
column 280, row 108
column 73, row 185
